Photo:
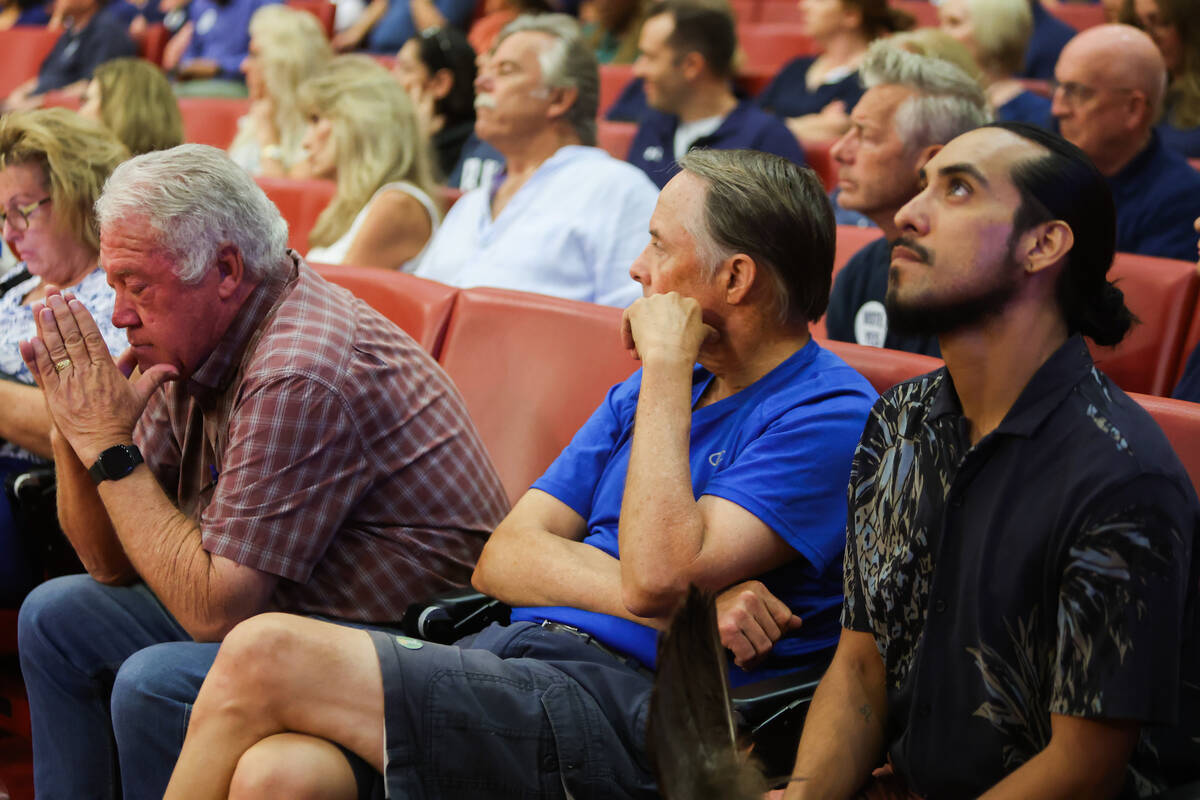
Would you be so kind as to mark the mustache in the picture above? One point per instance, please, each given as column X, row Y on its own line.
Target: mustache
column 485, row 101
column 922, row 253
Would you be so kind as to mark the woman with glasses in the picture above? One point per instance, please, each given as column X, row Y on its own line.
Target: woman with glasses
column 1174, row 25
column 287, row 47
column 996, row 33
column 53, row 164
column 437, row 69
column 363, row 134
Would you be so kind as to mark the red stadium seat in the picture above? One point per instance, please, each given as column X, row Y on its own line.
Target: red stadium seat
column 300, row 202
column 1190, row 343
column 1180, row 421
column 448, row 196
column 745, row 12
column 851, row 239
column 153, row 42
column 821, row 160
column 883, row 368
column 1079, row 16
column 420, row 307
column 753, row 80
column 615, row 137
column 323, row 10
column 22, row 50
column 1162, row 293
column 768, row 47
column 531, row 369
column 924, row 12
column 211, row 120
column 58, row 98
column 613, row 80
column 781, row 11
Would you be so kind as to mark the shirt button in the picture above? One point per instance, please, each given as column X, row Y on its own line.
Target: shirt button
column 939, row 606
column 549, row 763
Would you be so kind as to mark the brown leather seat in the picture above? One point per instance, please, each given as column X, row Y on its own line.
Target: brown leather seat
column 532, row 369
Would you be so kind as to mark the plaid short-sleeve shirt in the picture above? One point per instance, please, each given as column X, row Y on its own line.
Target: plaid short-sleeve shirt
column 319, row 443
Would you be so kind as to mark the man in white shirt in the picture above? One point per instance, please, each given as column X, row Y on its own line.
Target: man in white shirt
column 564, row 218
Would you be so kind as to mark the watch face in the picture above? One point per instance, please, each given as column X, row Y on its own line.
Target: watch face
column 117, row 462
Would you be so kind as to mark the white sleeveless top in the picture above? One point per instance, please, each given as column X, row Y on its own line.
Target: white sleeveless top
column 336, row 252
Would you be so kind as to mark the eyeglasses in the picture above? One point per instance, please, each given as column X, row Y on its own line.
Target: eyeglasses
column 20, row 220
column 1074, row 93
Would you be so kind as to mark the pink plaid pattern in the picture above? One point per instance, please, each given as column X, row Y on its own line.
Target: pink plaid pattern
column 321, row 444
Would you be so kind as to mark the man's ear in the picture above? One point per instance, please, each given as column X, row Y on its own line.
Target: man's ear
column 561, row 100
column 1045, row 245
column 926, row 154
column 231, row 268
column 691, row 64
column 441, row 83
column 738, row 273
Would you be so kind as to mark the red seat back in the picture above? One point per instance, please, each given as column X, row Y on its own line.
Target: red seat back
column 613, row 80
column 1180, row 421
column 851, row 239
column 153, row 42
column 818, row 156
column 781, row 11
column 924, row 12
column 323, row 10
column 1162, row 293
column 615, row 137
column 1079, row 16
column 420, row 307
column 768, row 46
column 211, row 120
column 22, row 51
column 300, row 202
column 532, row 369
column 1190, row 343
column 882, row 367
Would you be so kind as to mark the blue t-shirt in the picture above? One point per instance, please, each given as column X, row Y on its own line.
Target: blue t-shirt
column 1157, row 195
column 781, row 448
column 746, row 128
column 222, row 34
column 1026, row 107
column 788, row 94
column 1050, row 35
column 396, row 26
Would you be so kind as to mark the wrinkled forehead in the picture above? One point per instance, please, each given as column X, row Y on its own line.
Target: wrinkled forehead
column 523, row 48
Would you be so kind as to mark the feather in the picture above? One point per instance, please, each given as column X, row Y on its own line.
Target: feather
column 691, row 733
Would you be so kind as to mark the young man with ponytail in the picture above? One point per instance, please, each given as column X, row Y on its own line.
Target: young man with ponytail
column 1019, row 548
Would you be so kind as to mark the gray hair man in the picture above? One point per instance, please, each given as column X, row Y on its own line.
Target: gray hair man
column 1107, row 107
column 281, row 445
column 564, row 218
column 913, row 105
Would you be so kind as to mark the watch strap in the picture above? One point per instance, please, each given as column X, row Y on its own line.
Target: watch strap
column 115, row 463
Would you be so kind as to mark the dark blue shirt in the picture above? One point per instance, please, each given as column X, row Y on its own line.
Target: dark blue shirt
column 780, row 448
column 478, row 163
column 396, row 26
column 222, row 34
column 1042, row 571
column 630, row 105
column 125, row 12
column 1157, row 195
column 1050, row 36
column 746, row 128
column 856, row 311
column 788, row 96
column 1184, row 141
column 1026, row 107
column 78, row 52
column 1188, row 387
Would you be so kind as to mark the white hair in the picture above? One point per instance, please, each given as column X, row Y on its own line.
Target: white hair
column 948, row 101
column 197, row 200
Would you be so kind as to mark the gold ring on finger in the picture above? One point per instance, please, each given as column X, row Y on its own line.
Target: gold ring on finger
column 59, row 366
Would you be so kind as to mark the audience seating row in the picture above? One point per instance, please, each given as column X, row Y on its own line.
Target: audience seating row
column 531, row 368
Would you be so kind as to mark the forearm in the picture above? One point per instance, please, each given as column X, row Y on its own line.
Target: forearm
column 25, row 422
column 843, row 737
column 661, row 528
column 166, row 549
column 1084, row 759
column 84, row 520
column 524, row 566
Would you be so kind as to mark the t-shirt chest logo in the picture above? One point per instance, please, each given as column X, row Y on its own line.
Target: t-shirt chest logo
column 715, row 458
column 652, row 153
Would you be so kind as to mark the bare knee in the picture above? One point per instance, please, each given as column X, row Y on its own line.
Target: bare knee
column 244, row 678
column 293, row 766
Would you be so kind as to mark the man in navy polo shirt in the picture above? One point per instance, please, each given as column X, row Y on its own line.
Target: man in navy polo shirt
column 1020, row 531
column 686, row 64
column 723, row 460
column 1108, row 107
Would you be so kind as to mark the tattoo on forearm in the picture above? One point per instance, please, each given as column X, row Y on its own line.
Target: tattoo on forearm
column 866, row 712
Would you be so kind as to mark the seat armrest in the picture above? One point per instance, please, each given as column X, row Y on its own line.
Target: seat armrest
column 757, row 704
column 449, row 617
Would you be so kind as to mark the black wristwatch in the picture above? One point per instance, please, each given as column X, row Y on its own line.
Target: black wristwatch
column 115, row 463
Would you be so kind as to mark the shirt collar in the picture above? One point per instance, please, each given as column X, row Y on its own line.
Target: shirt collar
column 223, row 362
column 1045, row 391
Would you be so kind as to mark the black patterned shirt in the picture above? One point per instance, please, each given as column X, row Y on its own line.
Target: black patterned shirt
column 1042, row 571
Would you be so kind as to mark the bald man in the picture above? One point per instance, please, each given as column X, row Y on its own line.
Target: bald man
column 1108, row 107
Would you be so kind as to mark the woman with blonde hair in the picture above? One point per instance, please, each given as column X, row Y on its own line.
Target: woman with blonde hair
column 1174, row 25
column 363, row 133
column 133, row 99
column 287, row 47
column 996, row 32
column 53, row 165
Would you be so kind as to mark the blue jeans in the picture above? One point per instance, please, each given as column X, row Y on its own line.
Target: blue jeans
column 111, row 678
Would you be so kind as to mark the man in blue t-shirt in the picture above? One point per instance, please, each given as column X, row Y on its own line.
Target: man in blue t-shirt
column 721, row 463
column 686, row 64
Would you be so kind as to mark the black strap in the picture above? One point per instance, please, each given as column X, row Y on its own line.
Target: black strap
column 17, row 278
